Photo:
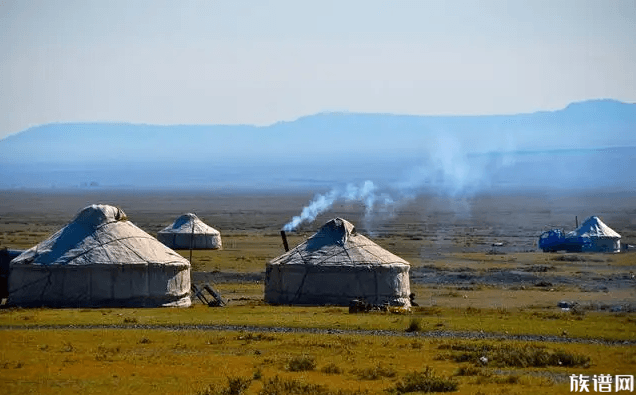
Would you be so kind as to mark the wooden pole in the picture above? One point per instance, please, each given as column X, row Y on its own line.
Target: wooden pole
column 191, row 242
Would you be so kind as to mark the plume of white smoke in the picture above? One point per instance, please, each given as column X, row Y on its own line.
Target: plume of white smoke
column 366, row 193
column 448, row 170
column 320, row 204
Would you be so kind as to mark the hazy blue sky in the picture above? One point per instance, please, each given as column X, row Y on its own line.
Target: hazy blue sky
column 257, row 62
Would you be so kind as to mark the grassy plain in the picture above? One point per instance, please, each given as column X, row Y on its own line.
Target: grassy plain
column 119, row 361
column 461, row 281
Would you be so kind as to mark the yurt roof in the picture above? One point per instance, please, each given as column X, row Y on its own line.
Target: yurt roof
column 190, row 223
column 338, row 243
column 100, row 234
column 594, row 227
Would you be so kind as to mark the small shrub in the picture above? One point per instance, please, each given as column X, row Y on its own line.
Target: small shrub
column 510, row 379
column 235, row 386
column 468, row 370
column 106, row 353
column 502, row 311
column 472, row 310
column 578, row 312
column 425, row 381
column 443, row 356
column 278, row 386
column 130, row 320
column 258, row 337
column 8, row 365
column 67, row 347
column 375, row 373
column 181, row 347
column 144, row 340
column 216, row 340
column 301, row 363
column 332, row 368
column 415, row 325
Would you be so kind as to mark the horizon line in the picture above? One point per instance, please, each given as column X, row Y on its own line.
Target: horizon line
column 320, row 113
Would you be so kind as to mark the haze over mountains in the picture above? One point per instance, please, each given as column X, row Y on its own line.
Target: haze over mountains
column 586, row 145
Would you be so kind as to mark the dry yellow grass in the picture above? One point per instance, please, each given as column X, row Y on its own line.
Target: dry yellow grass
column 186, row 362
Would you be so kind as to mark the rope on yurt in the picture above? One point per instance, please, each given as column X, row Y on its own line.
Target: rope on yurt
column 302, row 283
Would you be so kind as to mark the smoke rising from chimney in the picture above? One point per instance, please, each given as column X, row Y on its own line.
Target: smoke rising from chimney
column 366, row 193
column 447, row 169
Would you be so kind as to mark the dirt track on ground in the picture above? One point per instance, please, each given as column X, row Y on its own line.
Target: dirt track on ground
column 452, row 335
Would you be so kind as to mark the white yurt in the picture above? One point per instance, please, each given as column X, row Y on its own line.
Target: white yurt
column 596, row 236
column 335, row 266
column 188, row 231
column 100, row 259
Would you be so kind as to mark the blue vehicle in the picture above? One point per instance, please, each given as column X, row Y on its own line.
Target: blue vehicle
column 556, row 240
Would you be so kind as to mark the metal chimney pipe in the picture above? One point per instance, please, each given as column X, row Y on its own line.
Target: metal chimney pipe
column 284, row 236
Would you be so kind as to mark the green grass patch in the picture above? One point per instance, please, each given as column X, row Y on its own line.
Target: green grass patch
column 301, row 363
column 425, row 381
column 235, row 386
column 597, row 325
column 286, row 386
column 514, row 355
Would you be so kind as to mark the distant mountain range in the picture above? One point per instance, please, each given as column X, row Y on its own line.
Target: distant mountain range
column 313, row 150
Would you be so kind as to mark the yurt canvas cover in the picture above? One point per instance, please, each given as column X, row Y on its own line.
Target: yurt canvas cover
column 598, row 236
column 335, row 266
column 100, row 259
column 188, row 231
